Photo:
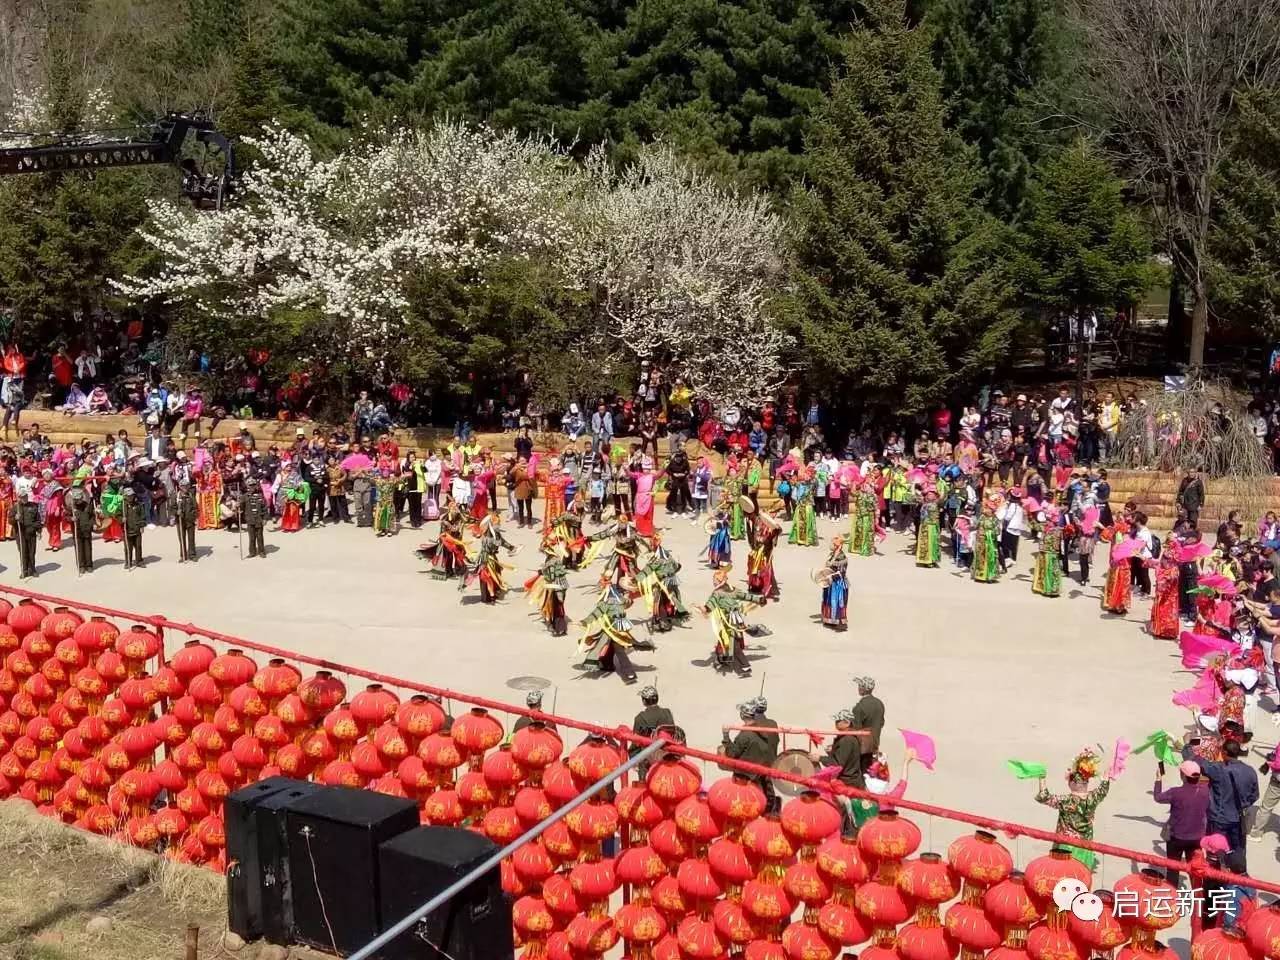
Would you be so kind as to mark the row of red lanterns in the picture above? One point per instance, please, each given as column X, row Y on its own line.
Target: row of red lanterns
column 90, row 736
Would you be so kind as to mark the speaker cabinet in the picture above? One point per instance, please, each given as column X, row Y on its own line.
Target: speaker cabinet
column 475, row 924
column 333, row 840
column 257, row 857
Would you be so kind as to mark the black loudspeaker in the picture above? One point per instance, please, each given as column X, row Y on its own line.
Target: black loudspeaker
column 257, row 861
column 333, row 837
column 475, row 924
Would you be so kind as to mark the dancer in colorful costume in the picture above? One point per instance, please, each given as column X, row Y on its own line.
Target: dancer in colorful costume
column 719, row 543
column 553, row 492
column 487, row 568
column 804, row 519
column 731, row 503
column 448, row 554
column 660, row 586
column 385, row 522
column 547, row 588
column 862, row 533
column 986, row 545
column 1077, row 808
column 1164, row 610
column 568, row 527
column 112, row 512
column 623, row 562
column 1047, row 577
column 763, row 534
column 607, row 640
column 7, row 500
column 928, row 536
column 835, row 587
column 726, row 608
column 1117, row 592
column 208, row 497
column 295, row 492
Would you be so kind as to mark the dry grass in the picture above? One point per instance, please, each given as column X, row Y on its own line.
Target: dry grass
column 56, row 879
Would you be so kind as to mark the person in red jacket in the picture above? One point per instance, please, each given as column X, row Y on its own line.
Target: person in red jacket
column 12, row 388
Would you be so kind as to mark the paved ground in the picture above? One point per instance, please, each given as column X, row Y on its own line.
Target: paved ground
column 991, row 671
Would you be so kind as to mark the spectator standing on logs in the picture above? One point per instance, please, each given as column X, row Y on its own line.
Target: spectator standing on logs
column 1191, row 495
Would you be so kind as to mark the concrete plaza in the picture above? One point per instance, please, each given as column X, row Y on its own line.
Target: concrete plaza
column 990, row 671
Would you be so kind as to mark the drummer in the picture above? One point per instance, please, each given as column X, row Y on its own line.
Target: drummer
column 758, row 745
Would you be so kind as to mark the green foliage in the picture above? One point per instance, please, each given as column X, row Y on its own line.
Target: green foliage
column 1004, row 64
column 1244, row 269
column 1080, row 248
column 730, row 82
column 898, row 300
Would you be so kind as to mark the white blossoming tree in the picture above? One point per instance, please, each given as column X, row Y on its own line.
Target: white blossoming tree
column 333, row 252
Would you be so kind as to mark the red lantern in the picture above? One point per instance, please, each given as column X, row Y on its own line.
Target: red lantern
column 1220, row 944
column 641, row 925
column 170, row 823
column 732, row 923
column 137, row 645
column 670, row 843
column 925, row 941
column 26, row 616
column 1155, row 898
column 980, row 861
column 735, row 800
column 1010, row 907
column 531, row 917
column 532, row 863
column 882, row 904
column 247, row 701
column 500, row 769
column 667, row 898
column 443, row 808
column 842, row 924
column 1051, row 942
column 694, row 820
column 969, row 927
column 729, row 862
column 591, row 760
column 560, row 843
column 593, row 880
column 1263, row 932
column 367, row 761
column 887, row 837
column 1043, row 874
column 697, row 881
column 38, row 646
column 475, row 732
column 474, row 793
column 535, row 747
column 765, row 838
column 318, row 748
column 343, row 729
column 322, row 693
column 293, row 712
column 248, row 752
column 766, row 902
column 390, row 743
column 637, row 807
column 591, row 936
column 391, row 786
column 673, row 779
column 531, row 805
column 1103, row 935
column 139, row 743
column 419, row 717
column 592, row 822
column 840, row 860
column 61, row 624
column 374, row 706
column 501, row 825
column 698, row 939
column 228, row 722
column 641, row 867
column 190, row 660
column 341, row 773
column 139, row 694
column 559, row 783
column 208, row 739
column 809, row 819
column 232, row 669
column 803, row 881
column 167, row 683
column 928, row 880
column 293, row 762
column 802, row 941
column 276, row 680
column 206, row 692
column 169, row 775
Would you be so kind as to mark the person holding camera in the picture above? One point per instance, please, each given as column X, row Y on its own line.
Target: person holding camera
column 1233, row 789
column 1270, row 797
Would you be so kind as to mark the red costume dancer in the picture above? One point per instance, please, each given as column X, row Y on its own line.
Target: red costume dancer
column 1117, row 592
column 553, row 491
column 6, row 506
column 51, row 497
column 1164, row 611
column 762, row 534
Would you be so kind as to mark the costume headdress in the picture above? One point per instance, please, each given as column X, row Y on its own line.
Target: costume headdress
column 1085, row 766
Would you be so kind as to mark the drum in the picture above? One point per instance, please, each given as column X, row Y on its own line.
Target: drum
column 747, row 505
column 796, row 762
column 822, row 576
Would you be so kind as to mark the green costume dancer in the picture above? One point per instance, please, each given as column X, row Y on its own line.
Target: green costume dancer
column 862, row 535
column 804, row 520
column 1047, row 579
column 986, row 547
column 928, row 546
column 384, row 517
column 733, row 487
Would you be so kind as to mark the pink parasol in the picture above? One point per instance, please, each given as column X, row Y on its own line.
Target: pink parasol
column 1089, row 520
column 1126, row 549
column 916, row 476
column 1197, row 698
column 1031, row 505
column 1216, row 581
column 1193, row 552
column 962, row 526
column 1197, row 648
column 356, row 461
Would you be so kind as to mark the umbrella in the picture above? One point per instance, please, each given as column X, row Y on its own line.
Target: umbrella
column 1199, row 647
column 1216, row 581
column 1031, row 505
column 356, row 461
column 1089, row 520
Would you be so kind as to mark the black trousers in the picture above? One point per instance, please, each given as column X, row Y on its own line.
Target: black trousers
column 27, row 551
column 1141, row 575
column 622, row 502
column 1188, row 576
column 84, row 550
column 315, row 506
column 617, row 661
column 187, row 539
column 257, row 542
column 339, row 511
column 133, row 550
column 1009, row 546
column 524, row 511
column 678, row 496
column 415, row 507
column 1175, row 849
